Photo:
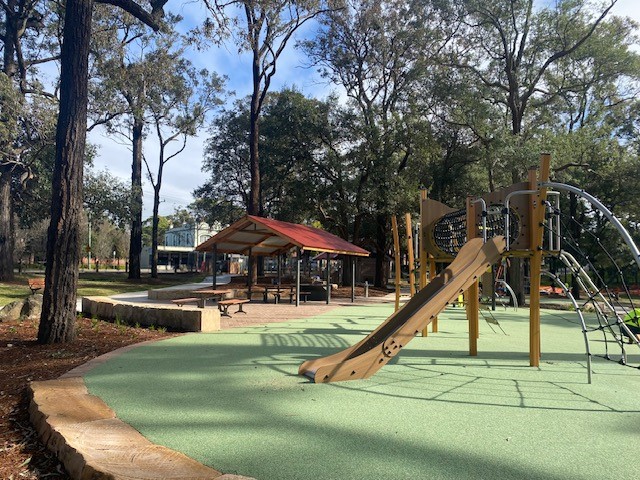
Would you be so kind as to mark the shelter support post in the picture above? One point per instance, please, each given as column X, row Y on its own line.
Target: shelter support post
column 473, row 305
column 249, row 274
column 328, row 274
column 536, row 212
column 353, row 279
column 396, row 253
column 279, row 268
column 298, row 261
column 215, row 266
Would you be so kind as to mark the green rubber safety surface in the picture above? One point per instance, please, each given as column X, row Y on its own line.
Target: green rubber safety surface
column 233, row 400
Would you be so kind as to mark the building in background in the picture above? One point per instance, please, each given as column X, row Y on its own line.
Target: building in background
column 178, row 251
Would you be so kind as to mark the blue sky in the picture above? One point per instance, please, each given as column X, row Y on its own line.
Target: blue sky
column 182, row 174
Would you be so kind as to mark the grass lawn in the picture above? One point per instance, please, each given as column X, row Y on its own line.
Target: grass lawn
column 103, row 283
column 233, row 400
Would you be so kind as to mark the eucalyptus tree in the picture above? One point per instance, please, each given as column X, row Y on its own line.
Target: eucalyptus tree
column 293, row 128
column 178, row 104
column 122, row 74
column 511, row 47
column 28, row 32
column 263, row 28
column 57, row 322
column 106, row 197
column 377, row 51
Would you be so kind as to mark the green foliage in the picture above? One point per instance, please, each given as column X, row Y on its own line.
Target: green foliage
column 106, row 197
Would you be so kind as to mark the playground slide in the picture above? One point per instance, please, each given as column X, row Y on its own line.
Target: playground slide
column 374, row 351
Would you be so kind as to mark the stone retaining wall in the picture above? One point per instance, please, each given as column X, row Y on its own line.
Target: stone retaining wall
column 186, row 318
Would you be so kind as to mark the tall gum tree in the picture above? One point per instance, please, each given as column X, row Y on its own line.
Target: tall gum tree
column 263, row 28
column 178, row 107
column 28, row 40
column 57, row 321
column 370, row 49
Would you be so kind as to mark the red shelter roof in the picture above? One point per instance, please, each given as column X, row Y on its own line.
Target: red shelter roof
column 265, row 236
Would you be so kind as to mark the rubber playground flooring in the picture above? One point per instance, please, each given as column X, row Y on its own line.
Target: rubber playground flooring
column 233, row 400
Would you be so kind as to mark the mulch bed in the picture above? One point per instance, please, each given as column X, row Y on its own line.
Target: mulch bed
column 22, row 455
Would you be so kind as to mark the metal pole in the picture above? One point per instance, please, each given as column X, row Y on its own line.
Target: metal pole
column 578, row 309
column 89, row 249
column 353, row 279
column 279, row 267
column 298, row 261
column 215, row 266
column 328, row 279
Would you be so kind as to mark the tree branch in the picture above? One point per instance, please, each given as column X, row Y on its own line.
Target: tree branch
column 148, row 18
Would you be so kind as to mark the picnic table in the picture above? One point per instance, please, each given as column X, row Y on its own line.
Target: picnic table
column 279, row 290
column 215, row 294
column 202, row 295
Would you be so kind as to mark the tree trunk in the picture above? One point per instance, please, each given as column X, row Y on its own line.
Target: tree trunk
column 135, row 242
column 255, row 201
column 6, row 223
column 381, row 250
column 154, row 229
column 6, row 229
column 57, row 322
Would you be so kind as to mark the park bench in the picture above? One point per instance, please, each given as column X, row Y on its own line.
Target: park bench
column 224, row 305
column 36, row 284
column 184, row 301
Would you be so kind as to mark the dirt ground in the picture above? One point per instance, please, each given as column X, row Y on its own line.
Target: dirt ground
column 22, row 455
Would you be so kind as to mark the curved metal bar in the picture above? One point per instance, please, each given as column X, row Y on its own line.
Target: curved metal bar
column 511, row 292
column 586, row 283
column 567, row 292
column 604, row 210
column 507, row 199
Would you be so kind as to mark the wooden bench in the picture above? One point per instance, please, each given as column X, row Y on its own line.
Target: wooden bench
column 224, row 305
column 184, row 301
column 36, row 284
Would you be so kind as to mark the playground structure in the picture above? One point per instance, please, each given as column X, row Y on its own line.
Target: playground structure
column 518, row 221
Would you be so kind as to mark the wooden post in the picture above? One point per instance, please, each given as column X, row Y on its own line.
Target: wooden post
column 432, row 274
column 396, row 252
column 412, row 285
column 536, row 217
column 472, row 292
column 422, row 256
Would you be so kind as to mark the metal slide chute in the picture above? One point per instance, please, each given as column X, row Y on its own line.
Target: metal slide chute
column 374, row 351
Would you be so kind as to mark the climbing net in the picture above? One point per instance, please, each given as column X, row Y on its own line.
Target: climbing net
column 610, row 311
column 450, row 231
